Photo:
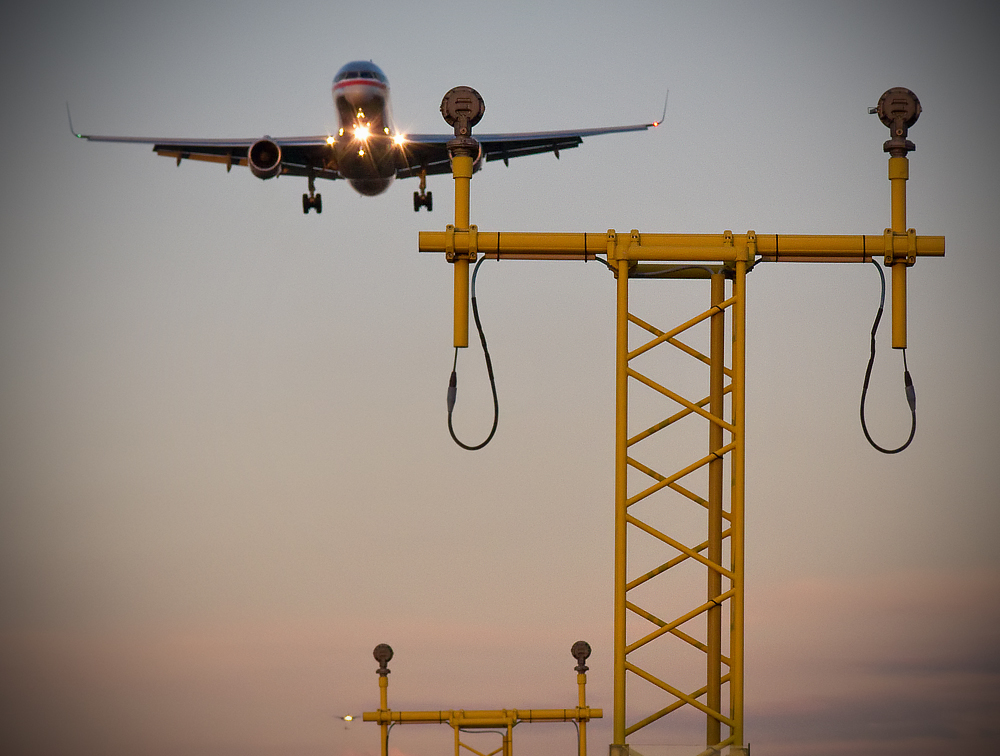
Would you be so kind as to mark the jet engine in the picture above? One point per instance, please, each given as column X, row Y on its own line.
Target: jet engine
column 264, row 158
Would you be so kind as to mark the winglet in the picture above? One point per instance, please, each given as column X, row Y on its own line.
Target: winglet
column 78, row 136
column 664, row 116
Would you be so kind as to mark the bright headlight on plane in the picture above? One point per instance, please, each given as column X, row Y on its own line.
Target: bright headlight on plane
column 362, row 133
column 331, row 141
column 399, row 139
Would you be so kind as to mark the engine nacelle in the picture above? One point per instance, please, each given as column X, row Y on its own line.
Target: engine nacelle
column 264, row 158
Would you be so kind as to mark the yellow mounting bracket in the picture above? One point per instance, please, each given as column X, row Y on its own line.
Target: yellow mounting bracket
column 900, row 248
column 461, row 245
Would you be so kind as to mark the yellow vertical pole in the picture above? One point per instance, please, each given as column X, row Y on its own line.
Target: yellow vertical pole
column 581, row 681
column 461, row 166
column 737, row 514
column 899, row 172
column 383, row 690
column 716, row 408
column 621, row 493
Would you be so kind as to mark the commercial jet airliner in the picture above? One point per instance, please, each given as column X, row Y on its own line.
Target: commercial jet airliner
column 367, row 150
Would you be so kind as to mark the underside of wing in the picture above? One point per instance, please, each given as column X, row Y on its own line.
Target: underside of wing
column 429, row 152
column 300, row 156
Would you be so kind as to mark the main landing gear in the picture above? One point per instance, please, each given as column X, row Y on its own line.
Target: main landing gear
column 312, row 200
column 422, row 198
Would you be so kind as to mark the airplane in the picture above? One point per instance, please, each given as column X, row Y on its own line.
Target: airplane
column 367, row 150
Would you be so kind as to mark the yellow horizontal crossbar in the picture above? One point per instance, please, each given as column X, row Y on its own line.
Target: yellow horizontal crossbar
column 479, row 719
column 674, row 247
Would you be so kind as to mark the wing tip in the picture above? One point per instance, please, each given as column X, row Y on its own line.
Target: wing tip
column 73, row 131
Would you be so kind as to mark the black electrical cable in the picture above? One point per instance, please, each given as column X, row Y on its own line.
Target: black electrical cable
column 911, row 394
column 453, row 381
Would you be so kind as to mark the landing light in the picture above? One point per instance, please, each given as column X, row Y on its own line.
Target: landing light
column 331, row 141
column 362, row 133
column 399, row 139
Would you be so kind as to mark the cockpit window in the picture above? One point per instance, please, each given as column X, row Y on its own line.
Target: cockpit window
column 364, row 74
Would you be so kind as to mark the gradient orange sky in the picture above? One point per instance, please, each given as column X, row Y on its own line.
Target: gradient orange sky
column 225, row 473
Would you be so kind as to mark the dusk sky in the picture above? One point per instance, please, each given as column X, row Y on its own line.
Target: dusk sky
column 225, row 471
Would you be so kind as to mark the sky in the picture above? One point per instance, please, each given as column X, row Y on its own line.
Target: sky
column 225, row 472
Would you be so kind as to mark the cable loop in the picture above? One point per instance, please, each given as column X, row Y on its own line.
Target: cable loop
column 453, row 381
column 911, row 396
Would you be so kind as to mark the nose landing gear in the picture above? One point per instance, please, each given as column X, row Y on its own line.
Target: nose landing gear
column 312, row 200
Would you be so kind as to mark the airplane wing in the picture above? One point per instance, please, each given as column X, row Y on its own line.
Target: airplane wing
column 430, row 151
column 312, row 155
column 300, row 156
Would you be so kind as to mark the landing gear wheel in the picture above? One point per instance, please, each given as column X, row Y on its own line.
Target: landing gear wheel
column 315, row 201
column 421, row 199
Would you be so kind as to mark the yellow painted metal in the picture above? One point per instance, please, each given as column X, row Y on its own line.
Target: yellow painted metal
column 721, row 258
column 899, row 172
column 478, row 719
column 677, row 248
column 383, row 691
column 482, row 718
column 621, row 499
column 462, row 165
column 715, row 522
column 737, row 520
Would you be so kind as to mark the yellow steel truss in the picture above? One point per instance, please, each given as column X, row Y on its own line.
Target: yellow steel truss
column 724, row 259
column 699, row 626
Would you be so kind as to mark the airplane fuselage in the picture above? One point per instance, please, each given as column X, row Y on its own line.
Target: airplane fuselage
column 361, row 97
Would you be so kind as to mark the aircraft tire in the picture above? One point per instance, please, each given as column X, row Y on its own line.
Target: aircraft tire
column 430, row 202
column 318, row 204
column 305, row 204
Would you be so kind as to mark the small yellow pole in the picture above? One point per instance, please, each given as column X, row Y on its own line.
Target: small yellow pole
column 581, row 681
column 737, row 522
column 899, row 172
column 715, row 486
column 383, row 689
column 621, row 495
column 461, row 166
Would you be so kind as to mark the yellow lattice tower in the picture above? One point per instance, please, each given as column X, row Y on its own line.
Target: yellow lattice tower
column 713, row 625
